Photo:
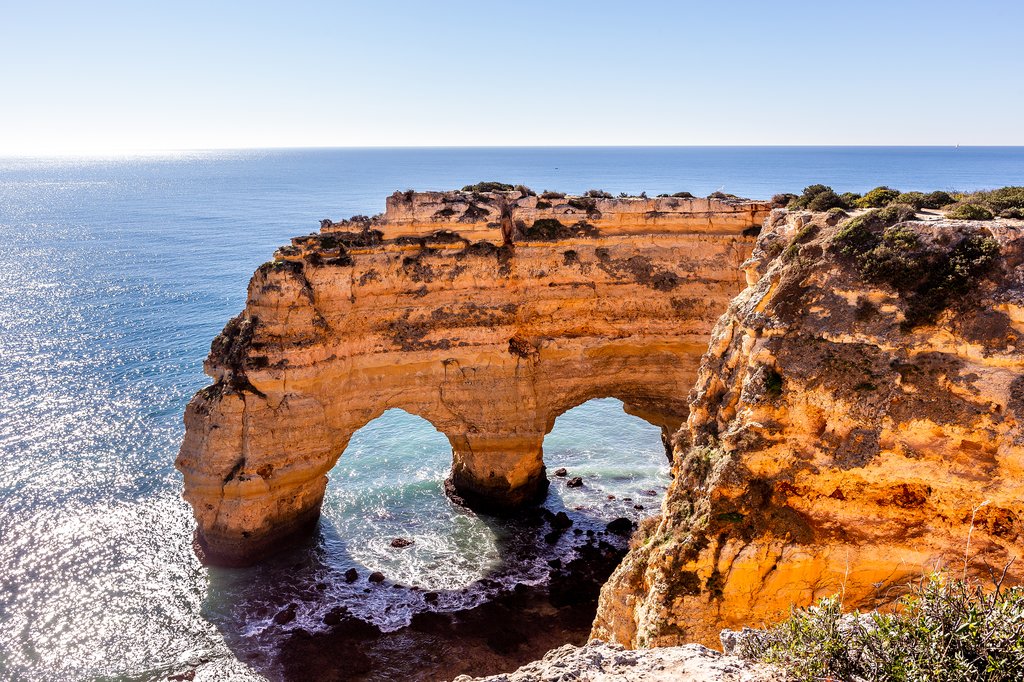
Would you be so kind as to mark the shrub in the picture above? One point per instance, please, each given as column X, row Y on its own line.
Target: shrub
column 1015, row 213
column 543, row 204
column 914, row 199
column 863, row 233
column 782, row 200
column 683, row 195
column 944, row 630
column 818, row 198
column 878, row 197
column 969, row 212
column 937, row 200
column 583, row 204
column 835, row 215
column 850, row 198
column 722, row 195
column 552, row 195
column 824, row 201
column 998, row 200
column 488, row 187
column 597, row 194
column 525, row 191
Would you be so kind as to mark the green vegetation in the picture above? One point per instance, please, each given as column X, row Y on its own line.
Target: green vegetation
column 818, row 198
column 583, row 204
column 997, row 200
column 546, row 194
column 488, row 187
column 878, row 197
column 678, row 195
column 944, row 630
column 969, row 212
column 597, row 194
column 928, row 276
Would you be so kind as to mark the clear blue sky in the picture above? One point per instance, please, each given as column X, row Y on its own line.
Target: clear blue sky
column 117, row 76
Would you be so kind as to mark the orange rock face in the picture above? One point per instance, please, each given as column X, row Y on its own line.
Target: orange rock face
column 487, row 314
column 857, row 421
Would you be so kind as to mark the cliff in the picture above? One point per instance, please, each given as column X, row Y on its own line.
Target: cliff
column 487, row 313
column 856, row 421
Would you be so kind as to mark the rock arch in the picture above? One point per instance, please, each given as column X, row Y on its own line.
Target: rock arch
column 419, row 310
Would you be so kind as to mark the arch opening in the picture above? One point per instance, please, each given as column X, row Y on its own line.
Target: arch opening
column 388, row 487
column 618, row 457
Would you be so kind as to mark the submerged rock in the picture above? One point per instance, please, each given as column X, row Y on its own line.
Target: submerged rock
column 620, row 526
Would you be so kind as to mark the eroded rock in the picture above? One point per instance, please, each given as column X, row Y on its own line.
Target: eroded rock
column 853, row 420
column 428, row 309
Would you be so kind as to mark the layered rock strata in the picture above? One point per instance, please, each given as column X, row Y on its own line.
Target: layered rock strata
column 856, row 421
column 487, row 314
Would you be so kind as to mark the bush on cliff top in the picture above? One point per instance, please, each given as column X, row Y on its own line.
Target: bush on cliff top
column 997, row 200
column 489, row 187
column 944, row 630
column 878, row 197
column 969, row 212
column 816, row 198
column 930, row 277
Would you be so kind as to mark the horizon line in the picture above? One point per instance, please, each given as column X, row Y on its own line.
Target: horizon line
column 154, row 151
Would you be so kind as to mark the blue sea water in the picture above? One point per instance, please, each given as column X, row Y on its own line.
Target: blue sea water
column 115, row 274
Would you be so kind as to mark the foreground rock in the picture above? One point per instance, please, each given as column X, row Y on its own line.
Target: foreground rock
column 489, row 314
column 600, row 662
column 856, row 422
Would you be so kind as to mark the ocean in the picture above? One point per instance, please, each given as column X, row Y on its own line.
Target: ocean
column 115, row 275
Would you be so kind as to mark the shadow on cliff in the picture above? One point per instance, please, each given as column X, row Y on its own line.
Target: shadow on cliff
column 287, row 618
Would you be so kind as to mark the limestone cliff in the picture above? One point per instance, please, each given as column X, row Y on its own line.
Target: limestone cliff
column 858, row 412
column 487, row 313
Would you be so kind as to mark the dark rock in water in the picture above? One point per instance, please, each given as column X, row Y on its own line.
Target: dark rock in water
column 555, row 563
column 561, row 472
column 577, row 531
column 187, row 675
column 376, row 577
column 650, row 493
column 321, row 586
column 611, row 497
column 627, row 499
column 335, row 615
column 430, row 597
column 590, row 533
column 579, row 581
column 286, row 615
column 638, row 507
column 561, row 521
column 574, row 482
column 351, row 575
column 401, row 542
column 552, row 537
column 620, row 526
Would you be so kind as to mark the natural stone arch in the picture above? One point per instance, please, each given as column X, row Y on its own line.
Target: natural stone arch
column 489, row 344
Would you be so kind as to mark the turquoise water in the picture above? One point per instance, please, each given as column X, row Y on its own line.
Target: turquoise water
column 115, row 274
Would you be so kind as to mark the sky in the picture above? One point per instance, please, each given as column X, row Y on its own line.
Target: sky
column 116, row 77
